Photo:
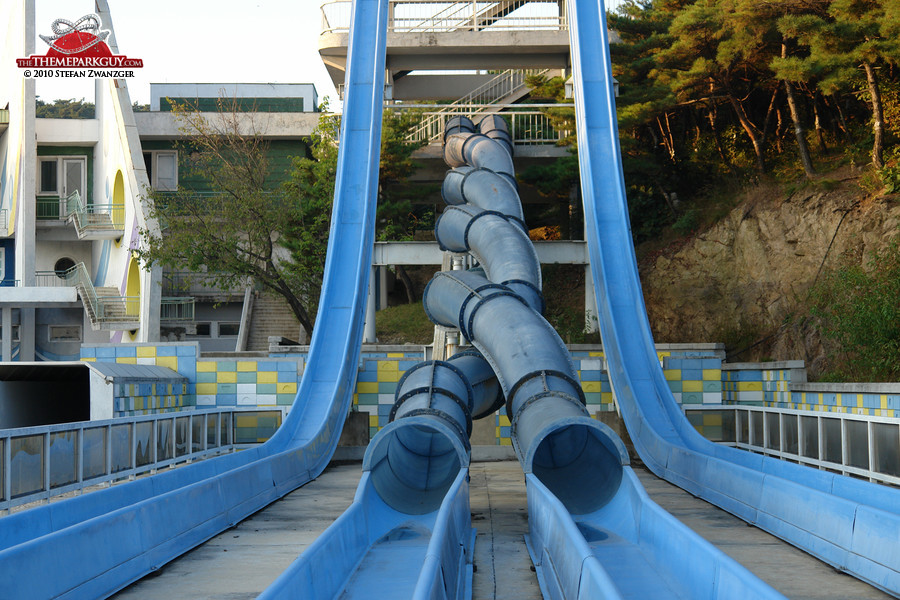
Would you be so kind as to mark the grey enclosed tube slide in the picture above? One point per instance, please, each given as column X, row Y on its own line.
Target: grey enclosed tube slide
column 498, row 309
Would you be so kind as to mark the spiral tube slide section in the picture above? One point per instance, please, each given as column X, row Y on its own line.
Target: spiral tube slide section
column 851, row 524
column 92, row 545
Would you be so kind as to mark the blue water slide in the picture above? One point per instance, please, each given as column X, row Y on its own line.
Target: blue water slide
column 92, row 545
column 851, row 524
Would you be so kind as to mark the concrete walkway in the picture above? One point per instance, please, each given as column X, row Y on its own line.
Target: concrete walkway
column 241, row 562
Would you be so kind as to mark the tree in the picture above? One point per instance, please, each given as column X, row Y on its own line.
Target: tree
column 64, row 109
column 268, row 227
column 846, row 46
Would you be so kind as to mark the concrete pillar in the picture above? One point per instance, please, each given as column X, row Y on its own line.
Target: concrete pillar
column 7, row 334
column 591, row 324
column 382, row 288
column 369, row 329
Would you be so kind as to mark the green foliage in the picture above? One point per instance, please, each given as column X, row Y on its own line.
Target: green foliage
column 405, row 323
column 258, row 225
column 857, row 308
column 64, row 109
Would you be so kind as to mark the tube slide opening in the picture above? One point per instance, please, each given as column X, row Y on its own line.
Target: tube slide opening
column 414, row 461
column 580, row 464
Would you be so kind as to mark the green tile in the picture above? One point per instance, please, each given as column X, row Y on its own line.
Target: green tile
column 227, row 388
column 368, row 399
column 205, row 377
column 285, row 399
column 266, row 388
column 246, row 377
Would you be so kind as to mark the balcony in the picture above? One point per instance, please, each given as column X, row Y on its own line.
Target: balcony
column 466, row 34
column 91, row 221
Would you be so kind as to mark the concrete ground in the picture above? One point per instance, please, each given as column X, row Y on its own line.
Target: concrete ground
column 241, row 562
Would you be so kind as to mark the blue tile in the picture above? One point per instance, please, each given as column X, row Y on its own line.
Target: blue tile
column 711, row 363
column 267, row 365
column 288, row 365
column 226, row 399
column 367, row 376
column 165, row 351
column 592, row 375
column 691, row 375
column 88, row 352
column 406, row 365
column 108, row 352
column 126, row 351
column 186, row 350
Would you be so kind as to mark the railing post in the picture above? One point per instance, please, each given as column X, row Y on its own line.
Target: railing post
column 109, row 442
column 821, row 427
column 79, row 456
column 870, row 431
column 845, row 456
column 45, row 463
column 7, row 472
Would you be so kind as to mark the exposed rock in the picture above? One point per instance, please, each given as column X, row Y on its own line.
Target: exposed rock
column 741, row 281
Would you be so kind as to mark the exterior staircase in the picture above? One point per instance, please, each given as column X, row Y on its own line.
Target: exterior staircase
column 94, row 221
column 272, row 317
column 106, row 309
column 506, row 88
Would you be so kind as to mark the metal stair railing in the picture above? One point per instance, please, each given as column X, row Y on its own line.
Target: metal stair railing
column 492, row 92
column 418, row 16
column 91, row 217
column 102, row 309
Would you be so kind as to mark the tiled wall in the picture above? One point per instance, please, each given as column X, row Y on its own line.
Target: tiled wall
column 131, row 399
column 694, row 380
column 264, row 382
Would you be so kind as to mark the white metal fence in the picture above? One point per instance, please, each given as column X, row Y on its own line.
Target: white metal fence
column 38, row 463
column 858, row 445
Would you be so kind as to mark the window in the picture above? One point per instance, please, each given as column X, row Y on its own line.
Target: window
column 65, row 333
column 229, row 329
column 49, row 170
column 62, row 175
column 63, row 265
column 162, row 169
column 203, row 329
column 15, row 333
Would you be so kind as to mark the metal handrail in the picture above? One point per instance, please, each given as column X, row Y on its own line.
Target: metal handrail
column 452, row 16
column 179, row 309
column 82, row 213
column 862, row 446
column 486, row 96
column 527, row 127
column 51, row 460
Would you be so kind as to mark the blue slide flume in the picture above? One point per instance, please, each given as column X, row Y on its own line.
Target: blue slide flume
column 851, row 524
column 92, row 545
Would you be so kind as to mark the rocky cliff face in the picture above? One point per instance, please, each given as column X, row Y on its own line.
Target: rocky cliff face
column 741, row 281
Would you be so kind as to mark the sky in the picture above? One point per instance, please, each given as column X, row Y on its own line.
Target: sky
column 202, row 41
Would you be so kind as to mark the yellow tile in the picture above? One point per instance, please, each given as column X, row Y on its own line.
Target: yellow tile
column 138, row 404
column 246, row 365
column 226, row 377
column 395, row 355
column 606, row 398
column 206, row 366
column 505, row 442
column 712, row 374
column 146, row 351
column 691, row 386
column 367, row 387
column 91, row 359
column 839, row 399
column 672, row 374
column 167, row 361
column 389, row 376
column 388, row 365
column 206, row 389
column 859, row 401
column 266, row 377
column 503, row 420
column 287, row 388
column 749, row 386
column 355, row 398
column 126, row 360
column 373, row 420
column 592, row 386
column 884, row 402
column 595, row 353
